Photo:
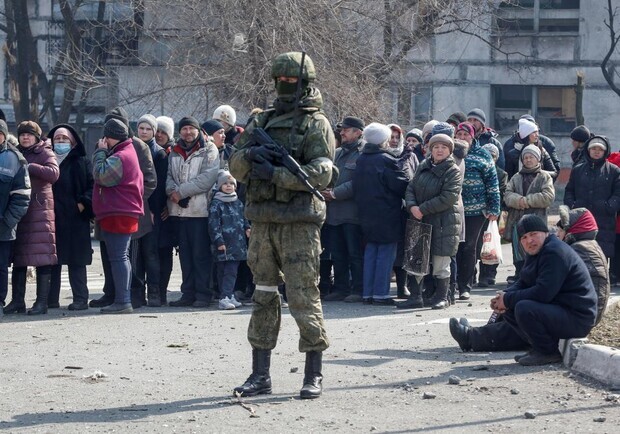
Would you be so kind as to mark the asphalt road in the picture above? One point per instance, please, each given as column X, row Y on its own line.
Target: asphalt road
column 173, row 370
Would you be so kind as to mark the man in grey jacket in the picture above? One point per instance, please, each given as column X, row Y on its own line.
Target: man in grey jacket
column 344, row 233
column 193, row 164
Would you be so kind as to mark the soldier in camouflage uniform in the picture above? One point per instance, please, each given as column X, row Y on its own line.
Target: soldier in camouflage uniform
column 286, row 221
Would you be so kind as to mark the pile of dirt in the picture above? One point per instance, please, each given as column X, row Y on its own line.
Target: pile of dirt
column 607, row 332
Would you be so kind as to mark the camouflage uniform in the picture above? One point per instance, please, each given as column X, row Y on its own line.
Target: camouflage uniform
column 286, row 219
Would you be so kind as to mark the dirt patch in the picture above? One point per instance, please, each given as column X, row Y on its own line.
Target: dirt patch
column 607, row 332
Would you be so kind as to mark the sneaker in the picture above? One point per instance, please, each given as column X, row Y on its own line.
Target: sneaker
column 464, row 296
column 225, row 304
column 234, row 301
column 283, row 303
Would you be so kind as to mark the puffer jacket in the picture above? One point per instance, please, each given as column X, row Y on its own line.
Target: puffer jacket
column 14, row 190
column 343, row 209
column 193, row 177
column 436, row 190
column 35, row 244
column 539, row 196
column 595, row 185
column 227, row 227
column 550, row 159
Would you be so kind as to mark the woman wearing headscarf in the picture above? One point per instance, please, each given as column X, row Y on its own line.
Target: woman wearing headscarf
column 73, row 194
column 35, row 244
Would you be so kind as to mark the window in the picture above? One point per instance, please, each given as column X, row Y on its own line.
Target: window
column 517, row 17
column 554, row 108
column 414, row 106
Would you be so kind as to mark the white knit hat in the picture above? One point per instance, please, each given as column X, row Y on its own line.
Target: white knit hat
column 526, row 127
column 376, row 133
column 166, row 124
column 150, row 120
column 225, row 113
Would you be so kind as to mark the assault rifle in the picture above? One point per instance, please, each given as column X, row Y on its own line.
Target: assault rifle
column 284, row 158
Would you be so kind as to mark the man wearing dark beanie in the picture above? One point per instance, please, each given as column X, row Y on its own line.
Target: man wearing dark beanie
column 579, row 136
column 145, row 225
column 193, row 165
column 485, row 135
column 553, row 299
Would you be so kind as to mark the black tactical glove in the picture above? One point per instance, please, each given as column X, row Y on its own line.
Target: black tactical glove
column 261, row 170
column 255, row 153
column 184, row 203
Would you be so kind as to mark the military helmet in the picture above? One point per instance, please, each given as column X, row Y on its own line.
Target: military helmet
column 287, row 65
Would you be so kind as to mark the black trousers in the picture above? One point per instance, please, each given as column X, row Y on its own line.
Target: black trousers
column 77, row 281
column 497, row 336
column 466, row 255
column 542, row 325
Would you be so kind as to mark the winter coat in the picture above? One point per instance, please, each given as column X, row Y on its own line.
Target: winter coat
column 459, row 158
column 192, row 176
column 309, row 139
column 539, row 196
column 436, row 190
column 74, row 186
column 14, row 190
column 227, row 227
column 550, row 159
column 343, row 209
column 157, row 200
column 408, row 161
column 379, row 189
column 480, row 186
column 35, row 244
column 595, row 185
column 502, row 179
column 490, row 136
column 119, row 186
column 556, row 275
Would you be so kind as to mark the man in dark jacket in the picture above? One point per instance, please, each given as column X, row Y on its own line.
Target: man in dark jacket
column 485, row 135
column 342, row 228
column 553, row 299
column 14, row 201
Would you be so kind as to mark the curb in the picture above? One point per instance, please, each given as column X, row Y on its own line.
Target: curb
column 595, row 361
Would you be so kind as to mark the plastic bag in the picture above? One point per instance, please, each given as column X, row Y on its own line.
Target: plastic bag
column 417, row 247
column 491, row 252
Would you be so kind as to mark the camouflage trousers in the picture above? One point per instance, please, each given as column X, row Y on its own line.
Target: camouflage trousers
column 286, row 253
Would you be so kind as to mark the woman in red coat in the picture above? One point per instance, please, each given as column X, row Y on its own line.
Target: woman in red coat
column 35, row 244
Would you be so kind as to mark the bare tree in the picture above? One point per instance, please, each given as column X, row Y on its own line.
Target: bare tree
column 608, row 68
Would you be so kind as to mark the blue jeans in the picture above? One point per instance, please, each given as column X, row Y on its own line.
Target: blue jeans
column 345, row 245
column 117, row 247
column 378, row 261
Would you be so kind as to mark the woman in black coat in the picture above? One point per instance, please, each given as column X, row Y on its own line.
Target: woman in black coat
column 595, row 185
column 73, row 209
column 379, row 189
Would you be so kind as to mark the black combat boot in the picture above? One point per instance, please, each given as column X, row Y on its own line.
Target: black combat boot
column 313, row 379
column 18, row 292
column 154, row 296
column 259, row 382
column 415, row 298
column 44, row 281
column 137, row 298
column 440, row 298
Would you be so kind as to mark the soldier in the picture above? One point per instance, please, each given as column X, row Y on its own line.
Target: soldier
column 286, row 220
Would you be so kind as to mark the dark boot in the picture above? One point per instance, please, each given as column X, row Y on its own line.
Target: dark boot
column 259, row 382
column 460, row 332
column 43, row 289
column 163, row 296
column 415, row 298
column 428, row 284
column 313, row 379
column 326, row 278
column 452, row 293
column 53, row 298
column 154, row 296
column 440, row 300
column 137, row 297
column 401, row 283
column 18, row 292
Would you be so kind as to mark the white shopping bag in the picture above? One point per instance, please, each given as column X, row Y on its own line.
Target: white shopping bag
column 491, row 252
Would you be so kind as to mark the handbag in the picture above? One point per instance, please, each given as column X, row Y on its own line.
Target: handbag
column 417, row 247
column 491, row 253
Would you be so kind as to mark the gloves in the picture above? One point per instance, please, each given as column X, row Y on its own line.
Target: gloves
column 260, row 153
column 184, row 203
column 262, row 169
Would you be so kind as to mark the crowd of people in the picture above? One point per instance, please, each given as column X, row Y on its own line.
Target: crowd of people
column 453, row 175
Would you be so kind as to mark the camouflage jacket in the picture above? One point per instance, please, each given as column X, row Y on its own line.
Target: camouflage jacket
column 227, row 228
column 308, row 137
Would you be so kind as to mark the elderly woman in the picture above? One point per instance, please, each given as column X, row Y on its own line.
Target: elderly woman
column 73, row 194
column 379, row 188
column 35, row 244
column 433, row 198
column 117, row 204
column 481, row 202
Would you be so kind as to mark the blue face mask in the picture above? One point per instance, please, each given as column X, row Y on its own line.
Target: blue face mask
column 62, row 148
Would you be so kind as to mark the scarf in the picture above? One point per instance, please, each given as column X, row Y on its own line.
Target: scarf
column 225, row 197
